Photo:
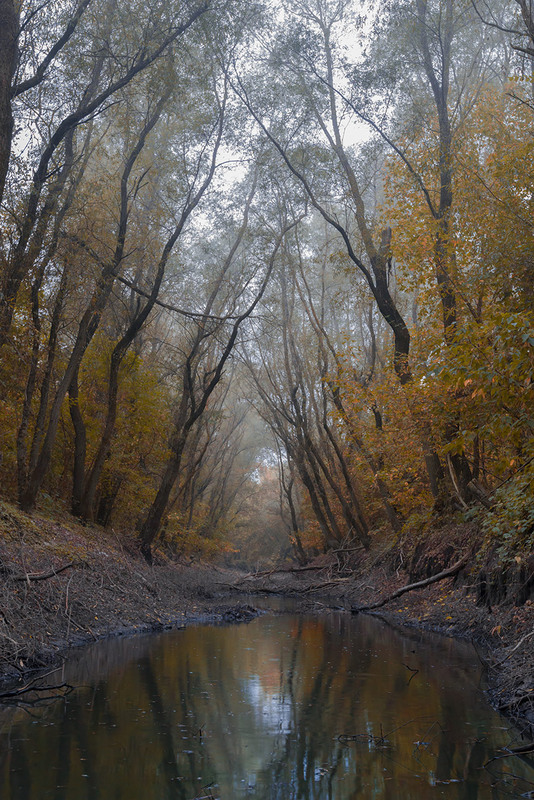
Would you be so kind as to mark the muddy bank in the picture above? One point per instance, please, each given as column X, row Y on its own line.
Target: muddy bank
column 63, row 585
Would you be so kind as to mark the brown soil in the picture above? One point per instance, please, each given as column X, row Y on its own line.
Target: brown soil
column 108, row 589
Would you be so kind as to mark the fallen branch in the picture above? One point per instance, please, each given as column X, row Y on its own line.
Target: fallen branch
column 440, row 576
column 522, row 750
column 303, row 569
column 286, row 590
column 516, row 701
column 42, row 576
column 250, row 576
column 314, row 587
column 516, row 647
column 14, row 694
column 253, row 589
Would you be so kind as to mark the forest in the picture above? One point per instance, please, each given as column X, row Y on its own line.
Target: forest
column 267, row 271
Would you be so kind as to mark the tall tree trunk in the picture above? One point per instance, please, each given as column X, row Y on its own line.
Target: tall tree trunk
column 22, row 453
column 287, row 488
column 444, row 255
column 331, row 536
column 9, row 31
column 46, row 383
column 24, row 463
column 87, row 500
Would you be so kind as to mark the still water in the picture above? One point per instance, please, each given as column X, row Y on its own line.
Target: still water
column 284, row 708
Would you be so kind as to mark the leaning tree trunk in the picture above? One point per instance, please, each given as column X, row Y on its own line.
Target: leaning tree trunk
column 152, row 523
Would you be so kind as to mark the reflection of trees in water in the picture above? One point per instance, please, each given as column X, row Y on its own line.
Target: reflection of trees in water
column 20, row 774
column 63, row 756
column 307, row 761
column 138, row 734
column 164, row 728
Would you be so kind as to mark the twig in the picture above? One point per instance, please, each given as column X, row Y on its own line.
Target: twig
column 516, row 701
column 412, row 670
column 519, row 643
column 31, row 687
column 42, row 576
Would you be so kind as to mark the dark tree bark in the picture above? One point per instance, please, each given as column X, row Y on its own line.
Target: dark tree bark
column 444, row 255
column 287, row 487
column 9, row 30
column 87, row 504
column 301, row 396
column 326, row 347
column 26, row 462
column 376, row 273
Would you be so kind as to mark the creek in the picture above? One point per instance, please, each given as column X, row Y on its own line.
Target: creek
column 287, row 707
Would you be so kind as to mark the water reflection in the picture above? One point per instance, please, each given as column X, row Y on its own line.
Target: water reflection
column 285, row 708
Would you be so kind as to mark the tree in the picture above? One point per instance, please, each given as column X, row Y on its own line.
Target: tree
column 320, row 105
column 91, row 315
column 203, row 368
column 110, row 63
column 85, row 485
column 291, row 380
column 9, row 23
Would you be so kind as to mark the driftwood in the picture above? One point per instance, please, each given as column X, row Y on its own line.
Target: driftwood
column 446, row 573
column 315, row 587
column 251, row 589
column 285, row 590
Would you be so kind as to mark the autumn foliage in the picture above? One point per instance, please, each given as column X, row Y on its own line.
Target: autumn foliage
column 222, row 318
